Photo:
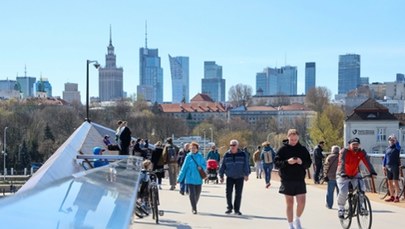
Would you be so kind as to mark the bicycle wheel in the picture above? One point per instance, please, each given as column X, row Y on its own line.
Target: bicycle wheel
column 346, row 221
column 401, row 184
column 383, row 188
column 155, row 203
column 364, row 212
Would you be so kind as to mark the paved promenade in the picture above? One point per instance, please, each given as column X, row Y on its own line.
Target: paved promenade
column 261, row 208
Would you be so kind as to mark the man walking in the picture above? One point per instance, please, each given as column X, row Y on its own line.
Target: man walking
column 318, row 156
column 235, row 166
column 170, row 156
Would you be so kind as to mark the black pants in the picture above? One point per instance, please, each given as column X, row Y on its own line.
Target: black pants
column 318, row 171
column 238, row 184
column 194, row 194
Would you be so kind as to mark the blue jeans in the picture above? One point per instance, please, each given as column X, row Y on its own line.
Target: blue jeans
column 267, row 167
column 329, row 195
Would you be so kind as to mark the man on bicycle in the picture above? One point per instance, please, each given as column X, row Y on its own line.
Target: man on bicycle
column 348, row 170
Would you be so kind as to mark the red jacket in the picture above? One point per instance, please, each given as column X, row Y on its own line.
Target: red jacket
column 349, row 162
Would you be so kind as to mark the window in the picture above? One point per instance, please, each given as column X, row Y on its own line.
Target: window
column 381, row 135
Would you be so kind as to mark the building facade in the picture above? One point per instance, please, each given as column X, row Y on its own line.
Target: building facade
column 348, row 73
column 110, row 77
column 26, row 85
column 150, row 86
column 277, row 81
column 213, row 84
column 310, row 76
column 179, row 68
column 43, row 87
column 71, row 94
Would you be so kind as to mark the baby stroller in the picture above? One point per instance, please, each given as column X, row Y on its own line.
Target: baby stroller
column 212, row 171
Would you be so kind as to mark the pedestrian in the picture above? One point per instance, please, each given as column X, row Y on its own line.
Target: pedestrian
column 213, row 154
column 267, row 159
column 258, row 162
column 318, row 157
column 124, row 136
column 191, row 176
column 170, row 156
column 329, row 171
column 180, row 161
column 158, row 162
column 235, row 166
column 292, row 161
column 99, row 162
column 391, row 164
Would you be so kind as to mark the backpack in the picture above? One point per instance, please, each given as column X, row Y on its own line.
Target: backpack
column 268, row 158
column 171, row 154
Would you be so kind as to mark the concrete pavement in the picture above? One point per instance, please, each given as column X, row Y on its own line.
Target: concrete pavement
column 261, row 208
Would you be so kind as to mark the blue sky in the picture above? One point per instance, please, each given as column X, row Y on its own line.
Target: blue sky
column 54, row 38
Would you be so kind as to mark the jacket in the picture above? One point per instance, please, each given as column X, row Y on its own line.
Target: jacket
column 189, row 172
column 318, row 156
column 234, row 165
column 270, row 151
column 391, row 157
column 349, row 161
column 330, row 167
column 293, row 172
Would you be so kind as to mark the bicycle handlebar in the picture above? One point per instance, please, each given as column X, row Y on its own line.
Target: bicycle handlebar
column 360, row 177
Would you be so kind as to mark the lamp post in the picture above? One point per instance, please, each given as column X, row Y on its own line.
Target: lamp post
column 212, row 134
column 5, row 152
column 204, row 143
column 96, row 65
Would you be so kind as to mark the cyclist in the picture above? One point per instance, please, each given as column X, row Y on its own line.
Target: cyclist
column 348, row 171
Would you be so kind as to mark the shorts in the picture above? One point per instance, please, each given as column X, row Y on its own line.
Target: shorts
column 393, row 172
column 292, row 188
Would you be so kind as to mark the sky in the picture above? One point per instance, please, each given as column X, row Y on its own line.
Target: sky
column 53, row 39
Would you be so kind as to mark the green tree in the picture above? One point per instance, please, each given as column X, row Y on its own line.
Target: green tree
column 48, row 133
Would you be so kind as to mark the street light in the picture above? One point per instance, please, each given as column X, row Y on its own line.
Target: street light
column 96, row 65
column 204, row 143
column 212, row 134
column 5, row 152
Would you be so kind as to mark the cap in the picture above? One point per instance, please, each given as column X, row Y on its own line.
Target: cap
column 354, row 140
column 97, row 150
column 392, row 137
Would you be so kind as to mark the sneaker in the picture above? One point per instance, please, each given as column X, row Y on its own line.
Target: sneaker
column 297, row 224
column 160, row 187
column 396, row 199
column 194, row 212
column 228, row 211
column 268, row 185
column 173, row 188
column 238, row 213
column 341, row 213
column 181, row 192
column 391, row 199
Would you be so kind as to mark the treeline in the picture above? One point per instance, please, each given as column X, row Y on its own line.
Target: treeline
column 35, row 130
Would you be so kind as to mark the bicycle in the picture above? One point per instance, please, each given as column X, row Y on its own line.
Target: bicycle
column 151, row 199
column 357, row 205
column 383, row 190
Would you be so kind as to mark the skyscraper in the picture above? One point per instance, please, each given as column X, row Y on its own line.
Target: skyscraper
column 71, row 93
column 349, row 73
column 43, row 86
column 179, row 68
column 150, row 86
column 26, row 85
column 400, row 78
column 277, row 81
column 310, row 76
column 212, row 84
column 110, row 77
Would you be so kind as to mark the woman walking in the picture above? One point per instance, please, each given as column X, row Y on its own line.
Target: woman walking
column 190, row 175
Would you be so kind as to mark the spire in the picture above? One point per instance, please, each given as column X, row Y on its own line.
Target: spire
column 110, row 36
column 25, row 70
column 146, row 34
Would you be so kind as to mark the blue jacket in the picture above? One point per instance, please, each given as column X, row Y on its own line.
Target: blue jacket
column 213, row 155
column 189, row 172
column 391, row 157
column 234, row 165
column 266, row 149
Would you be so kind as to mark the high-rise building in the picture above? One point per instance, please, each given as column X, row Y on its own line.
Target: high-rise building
column 364, row 81
column 110, row 77
column 310, row 76
column 179, row 68
column 212, row 84
column 150, row 86
column 277, row 81
column 26, row 85
column 71, row 93
column 349, row 73
column 400, row 78
column 42, row 86
column 8, row 85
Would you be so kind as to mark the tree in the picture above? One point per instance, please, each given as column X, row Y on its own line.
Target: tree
column 48, row 133
column 318, row 98
column 25, row 157
column 240, row 95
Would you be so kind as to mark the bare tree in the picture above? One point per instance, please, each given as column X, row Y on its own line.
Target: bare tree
column 240, row 95
column 318, row 98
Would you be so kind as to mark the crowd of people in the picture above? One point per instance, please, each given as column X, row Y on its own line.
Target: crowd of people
column 292, row 161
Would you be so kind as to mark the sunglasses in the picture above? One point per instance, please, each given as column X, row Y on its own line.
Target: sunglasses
column 232, row 145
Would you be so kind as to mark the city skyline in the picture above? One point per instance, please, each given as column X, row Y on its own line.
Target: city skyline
column 244, row 39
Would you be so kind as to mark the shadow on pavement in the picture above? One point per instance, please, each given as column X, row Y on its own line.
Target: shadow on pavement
column 165, row 222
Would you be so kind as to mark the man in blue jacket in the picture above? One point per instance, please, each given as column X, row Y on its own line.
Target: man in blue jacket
column 235, row 165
